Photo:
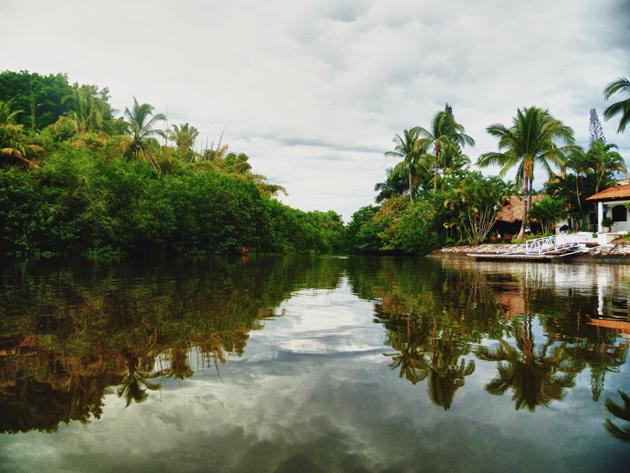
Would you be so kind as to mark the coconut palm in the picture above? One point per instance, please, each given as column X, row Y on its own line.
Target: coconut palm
column 140, row 122
column 87, row 111
column 184, row 136
column 447, row 138
column 581, row 164
column 605, row 161
column 7, row 116
column 535, row 138
column 620, row 86
column 412, row 149
column 15, row 146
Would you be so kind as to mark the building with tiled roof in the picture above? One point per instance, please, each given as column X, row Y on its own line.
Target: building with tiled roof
column 613, row 202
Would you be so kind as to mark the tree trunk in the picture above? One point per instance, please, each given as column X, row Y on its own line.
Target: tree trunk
column 410, row 186
column 435, row 174
column 521, row 233
column 437, row 158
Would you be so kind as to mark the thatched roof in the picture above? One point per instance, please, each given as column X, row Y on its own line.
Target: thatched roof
column 617, row 192
column 514, row 209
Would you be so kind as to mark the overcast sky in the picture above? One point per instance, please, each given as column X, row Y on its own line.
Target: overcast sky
column 314, row 91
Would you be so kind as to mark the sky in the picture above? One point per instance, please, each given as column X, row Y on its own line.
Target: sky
column 314, row 91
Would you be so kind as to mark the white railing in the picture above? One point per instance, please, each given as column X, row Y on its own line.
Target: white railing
column 541, row 246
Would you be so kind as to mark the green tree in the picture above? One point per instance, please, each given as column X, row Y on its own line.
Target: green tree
column 605, row 161
column 7, row 115
column 547, row 212
column 620, row 86
column 447, row 138
column 41, row 97
column 535, row 138
column 140, row 125
column 412, row 149
column 473, row 204
column 362, row 231
column 184, row 136
column 15, row 145
column 88, row 110
column 394, row 184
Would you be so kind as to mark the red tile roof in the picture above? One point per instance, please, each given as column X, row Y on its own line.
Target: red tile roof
column 617, row 192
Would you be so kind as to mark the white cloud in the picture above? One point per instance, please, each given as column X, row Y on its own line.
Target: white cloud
column 314, row 90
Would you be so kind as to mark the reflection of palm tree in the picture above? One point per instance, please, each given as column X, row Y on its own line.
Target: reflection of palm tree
column 132, row 385
column 443, row 383
column 536, row 377
column 621, row 412
column 411, row 363
column 140, row 362
column 430, row 353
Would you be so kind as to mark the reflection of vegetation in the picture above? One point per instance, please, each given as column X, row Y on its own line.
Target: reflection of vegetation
column 139, row 372
column 435, row 312
column 432, row 319
column 535, row 376
column 621, row 412
column 69, row 336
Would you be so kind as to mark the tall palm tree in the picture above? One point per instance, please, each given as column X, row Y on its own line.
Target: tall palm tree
column 448, row 138
column 605, row 160
column 412, row 149
column 140, row 122
column 535, row 137
column 620, row 86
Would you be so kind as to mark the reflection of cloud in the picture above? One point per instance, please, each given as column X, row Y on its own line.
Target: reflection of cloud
column 284, row 408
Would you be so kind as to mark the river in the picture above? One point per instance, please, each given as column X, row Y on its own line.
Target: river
column 314, row 364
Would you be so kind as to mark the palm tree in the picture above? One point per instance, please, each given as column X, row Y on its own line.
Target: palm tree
column 87, row 111
column 184, row 136
column 448, row 138
column 412, row 149
column 621, row 86
column 13, row 145
column 7, row 116
column 605, row 160
column 580, row 162
column 535, row 137
column 140, row 125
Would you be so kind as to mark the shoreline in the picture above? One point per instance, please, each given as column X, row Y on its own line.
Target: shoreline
column 616, row 250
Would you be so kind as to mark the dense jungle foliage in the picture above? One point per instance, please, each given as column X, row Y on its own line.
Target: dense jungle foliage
column 75, row 178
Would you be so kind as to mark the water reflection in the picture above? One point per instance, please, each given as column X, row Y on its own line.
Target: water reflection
column 70, row 336
column 475, row 341
column 622, row 412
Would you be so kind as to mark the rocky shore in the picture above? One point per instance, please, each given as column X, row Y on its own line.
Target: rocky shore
column 615, row 250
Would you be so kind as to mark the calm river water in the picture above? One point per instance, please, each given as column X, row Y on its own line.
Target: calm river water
column 315, row 365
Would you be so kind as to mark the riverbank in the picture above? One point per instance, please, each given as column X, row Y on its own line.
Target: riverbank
column 616, row 250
